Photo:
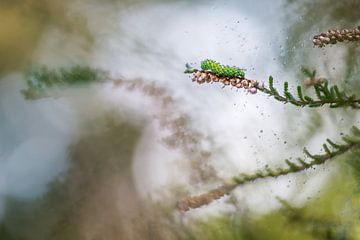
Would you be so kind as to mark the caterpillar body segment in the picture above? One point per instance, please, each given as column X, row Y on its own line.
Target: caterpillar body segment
column 221, row 70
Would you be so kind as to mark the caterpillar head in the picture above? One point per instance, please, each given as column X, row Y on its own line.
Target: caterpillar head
column 189, row 68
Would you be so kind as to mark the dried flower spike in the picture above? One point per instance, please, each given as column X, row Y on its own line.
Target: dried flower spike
column 201, row 76
column 336, row 35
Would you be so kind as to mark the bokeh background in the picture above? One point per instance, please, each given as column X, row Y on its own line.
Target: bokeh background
column 110, row 161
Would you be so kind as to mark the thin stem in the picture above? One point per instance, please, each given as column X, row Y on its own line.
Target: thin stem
column 353, row 103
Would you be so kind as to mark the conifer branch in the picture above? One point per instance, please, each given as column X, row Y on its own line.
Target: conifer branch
column 331, row 150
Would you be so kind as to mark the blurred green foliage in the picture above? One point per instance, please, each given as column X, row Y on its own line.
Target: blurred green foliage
column 40, row 80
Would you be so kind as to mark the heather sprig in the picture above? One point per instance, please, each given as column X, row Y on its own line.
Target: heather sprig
column 324, row 94
column 40, row 79
column 331, row 151
column 336, row 35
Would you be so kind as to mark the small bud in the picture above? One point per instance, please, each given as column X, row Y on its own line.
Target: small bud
column 326, row 40
column 244, row 83
column 208, row 79
column 262, row 85
column 201, row 80
column 308, row 81
column 252, row 90
column 214, row 78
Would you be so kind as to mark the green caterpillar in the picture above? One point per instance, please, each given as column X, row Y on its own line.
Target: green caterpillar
column 221, row 70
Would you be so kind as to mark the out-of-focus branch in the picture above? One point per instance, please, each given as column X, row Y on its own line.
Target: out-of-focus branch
column 331, row 150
